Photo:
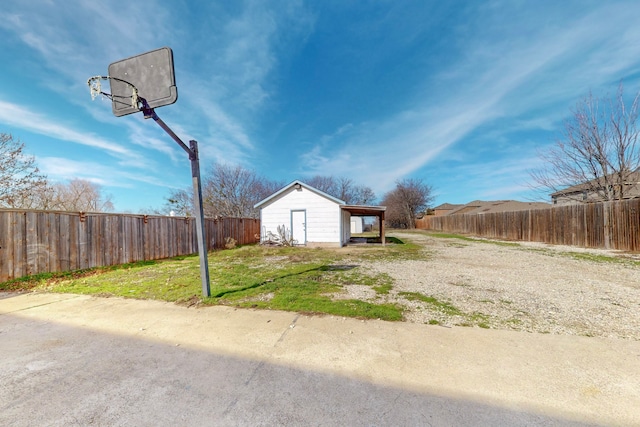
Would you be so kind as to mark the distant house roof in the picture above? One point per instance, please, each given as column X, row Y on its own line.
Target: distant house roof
column 632, row 179
column 482, row 207
column 447, row 206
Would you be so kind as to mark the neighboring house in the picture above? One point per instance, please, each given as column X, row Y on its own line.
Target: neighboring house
column 481, row 207
column 592, row 191
column 311, row 217
column 445, row 209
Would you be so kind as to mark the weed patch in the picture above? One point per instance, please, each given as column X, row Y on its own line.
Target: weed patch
column 586, row 256
column 444, row 307
column 472, row 239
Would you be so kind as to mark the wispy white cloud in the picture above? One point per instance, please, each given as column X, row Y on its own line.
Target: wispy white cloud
column 19, row 116
column 238, row 84
column 225, row 76
column 60, row 169
column 64, row 169
column 496, row 79
column 82, row 35
column 143, row 136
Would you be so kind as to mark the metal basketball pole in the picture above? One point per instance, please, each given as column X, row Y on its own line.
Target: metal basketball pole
column 149, row 113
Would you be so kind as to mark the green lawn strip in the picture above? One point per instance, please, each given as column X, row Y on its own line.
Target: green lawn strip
column 306, row 288
column 26, row 283
column 311, row 298
column 168, row 280
column 293, row 279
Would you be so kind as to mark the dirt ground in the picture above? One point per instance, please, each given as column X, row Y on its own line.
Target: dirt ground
column 529, row 287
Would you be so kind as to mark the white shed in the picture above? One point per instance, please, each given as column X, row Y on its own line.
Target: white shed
column 310, row 216
column 356, row 224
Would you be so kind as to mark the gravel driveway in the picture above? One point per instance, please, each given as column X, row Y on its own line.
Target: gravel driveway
column 526, row 287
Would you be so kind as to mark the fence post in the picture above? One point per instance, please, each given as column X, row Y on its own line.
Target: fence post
column 606, row 225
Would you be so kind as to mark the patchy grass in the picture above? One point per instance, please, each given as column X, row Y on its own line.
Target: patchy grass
column 292, row 279
column 582, row 256
column 383, row 289
column 450, row 236
column 478, row 319
column 586, row 256
column 472, row 239
column 394, row 250
column 26, row 283
column 444, row 307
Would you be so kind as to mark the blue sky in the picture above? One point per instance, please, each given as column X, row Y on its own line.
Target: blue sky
column 461, row 94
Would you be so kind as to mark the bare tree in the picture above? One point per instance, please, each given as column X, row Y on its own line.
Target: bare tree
column 326, row 184
column 77, row 195
column 19, row 175
column 180, row 202
column 598, row 150
column 40, row 197
column 362, row 195
column 227, row 191
column 230, row 192
column 80, row 195
column 404, row 203
column 344, row 189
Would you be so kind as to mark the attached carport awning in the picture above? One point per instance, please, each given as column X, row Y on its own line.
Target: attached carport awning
column 377, row 211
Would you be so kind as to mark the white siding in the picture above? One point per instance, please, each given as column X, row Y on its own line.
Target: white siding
column 346, row 227
column 323, row 215
column 356, row 224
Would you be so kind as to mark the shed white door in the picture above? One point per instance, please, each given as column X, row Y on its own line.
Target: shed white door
column 299, row 227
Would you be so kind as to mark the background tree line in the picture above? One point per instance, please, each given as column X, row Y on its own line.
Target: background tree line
column 599, row 149
column 228, row 191
column 232, row 191
column 23, row 186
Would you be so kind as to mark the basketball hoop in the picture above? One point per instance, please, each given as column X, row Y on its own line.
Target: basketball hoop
column 95, row 87
column 143, row 83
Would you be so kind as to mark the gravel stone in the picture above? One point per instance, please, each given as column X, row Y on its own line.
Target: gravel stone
column 531, row 287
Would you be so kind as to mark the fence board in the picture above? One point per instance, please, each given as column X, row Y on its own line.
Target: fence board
column 614, row 225
column 33, row 242
column 6, row 246
column 19, row 244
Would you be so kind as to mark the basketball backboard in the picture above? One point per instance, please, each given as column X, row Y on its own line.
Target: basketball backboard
column 151, row 73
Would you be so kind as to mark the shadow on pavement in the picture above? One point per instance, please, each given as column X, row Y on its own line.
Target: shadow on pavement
column 54, row 374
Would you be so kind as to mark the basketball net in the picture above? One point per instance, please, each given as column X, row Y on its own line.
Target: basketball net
column 95, row 87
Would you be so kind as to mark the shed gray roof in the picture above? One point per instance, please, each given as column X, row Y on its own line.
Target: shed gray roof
column 353, row 209
column 303, row 185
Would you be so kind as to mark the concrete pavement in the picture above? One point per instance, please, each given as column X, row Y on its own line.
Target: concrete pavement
column 76, row 360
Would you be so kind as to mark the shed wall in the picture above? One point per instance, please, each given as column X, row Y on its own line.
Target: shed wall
column 346, row 227
column 323, row 215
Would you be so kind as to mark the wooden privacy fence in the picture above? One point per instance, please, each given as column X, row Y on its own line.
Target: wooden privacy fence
column 33, row 242
column 608, row 225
